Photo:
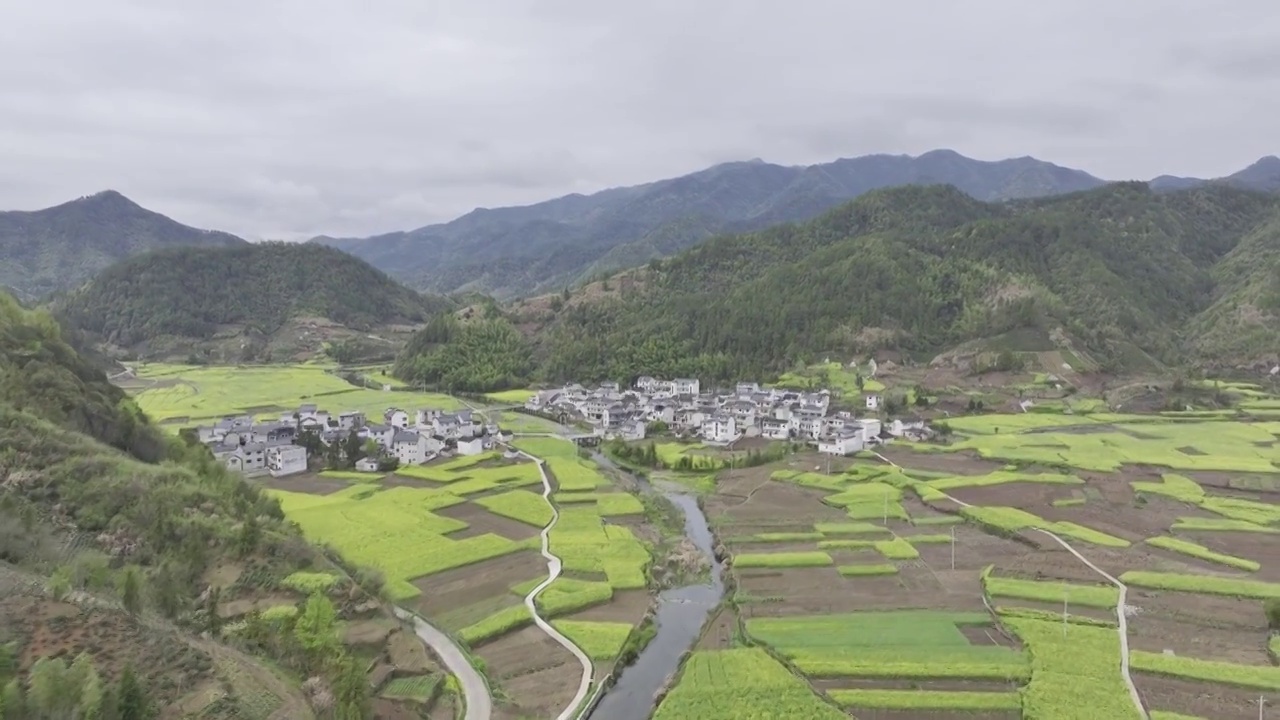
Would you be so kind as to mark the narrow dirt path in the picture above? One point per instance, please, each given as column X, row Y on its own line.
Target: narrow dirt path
column 474, row 689
column 1122, row 625
column 553, row 572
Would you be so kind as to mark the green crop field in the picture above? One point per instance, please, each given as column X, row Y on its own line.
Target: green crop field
column 1166, row 715
column 1205, row 584
column 418, row 688
column 352, row 475
column 1192, row 524
column 521, row 505
column 741, row 684
column 1076, row 677
column 499, row 623
column 848, row 528
column 511, row 397
column 1009, row 519
column 202, row 392
column 599, row 640
column 864, row 570
column 309, row 583
column 897, row 549
column 466, row 476
column 393, row 530
column 1257, row 677
column 567, row 595
column 1002, row 477
column 1190, row 549
column 926, row 700
column 1102, row 596
column 888, row 644
column 586, row 543
column 781, row 559
column 608, row 504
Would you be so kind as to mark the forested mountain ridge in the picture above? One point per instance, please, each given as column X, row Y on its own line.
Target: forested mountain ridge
column 57, row 248
column 520, row 251
column 134, row 549
column 1124, row 270
column 196, row 293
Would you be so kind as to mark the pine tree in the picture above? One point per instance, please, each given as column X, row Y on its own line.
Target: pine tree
column 132, row 702
column 131, row 591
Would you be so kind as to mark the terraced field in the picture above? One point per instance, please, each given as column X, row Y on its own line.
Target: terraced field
column 925, row 584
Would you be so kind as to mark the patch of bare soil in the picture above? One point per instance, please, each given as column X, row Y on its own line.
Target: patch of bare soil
column 1153, row 633
column 720, row 631
column 305, row 483
column 957, row 463
column 223, row 575
column 626, row 606
column 369, row 632
column 948, row 685
column 238, row 608
column 1198, row 699
column 538, row 675
column 407, row 653
column 1208, row 612
column 459, row 597
column 480, row 521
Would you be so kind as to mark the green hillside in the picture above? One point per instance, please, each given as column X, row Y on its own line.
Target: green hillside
column 1124, row 270
column 195, row 293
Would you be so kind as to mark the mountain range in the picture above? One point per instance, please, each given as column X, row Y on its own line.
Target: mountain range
column 60, row 247
column 1122, row 278
column 519, row 251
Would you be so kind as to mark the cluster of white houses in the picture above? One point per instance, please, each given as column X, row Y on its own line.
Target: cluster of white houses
column 722, row 418
column 254, row 447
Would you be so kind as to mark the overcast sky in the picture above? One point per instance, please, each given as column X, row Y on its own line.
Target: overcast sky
column 291, row 118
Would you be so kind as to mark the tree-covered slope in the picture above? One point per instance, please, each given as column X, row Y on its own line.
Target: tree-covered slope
column 60, row 247
column 922, row 269
column 191, row 292
column 139, row 546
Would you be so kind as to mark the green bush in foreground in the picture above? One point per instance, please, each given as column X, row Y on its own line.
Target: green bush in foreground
column 1249, row 676
column 1186, row 547
column 782, row 560
column 927, row 700
column 1206, row 584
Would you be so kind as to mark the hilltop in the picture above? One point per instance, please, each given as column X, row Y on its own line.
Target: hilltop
column 1129, row 277
column 521, row 251
column 60, row 247
column 243, row 302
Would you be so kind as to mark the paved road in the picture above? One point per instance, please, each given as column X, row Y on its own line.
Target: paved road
column 474, row 689
column 553, row 572
column 1122, row 626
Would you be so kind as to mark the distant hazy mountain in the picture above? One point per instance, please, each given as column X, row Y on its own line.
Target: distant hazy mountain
column 1263, row 175
column 60, row 247
column 522, row 250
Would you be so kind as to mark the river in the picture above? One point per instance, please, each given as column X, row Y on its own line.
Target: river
column 680, row 616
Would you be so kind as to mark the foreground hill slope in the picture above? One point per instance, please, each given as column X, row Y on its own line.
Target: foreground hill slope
column 57, row 248
column 245, row 293
column 1132, row 275
column 143, row 554
column 519, row 250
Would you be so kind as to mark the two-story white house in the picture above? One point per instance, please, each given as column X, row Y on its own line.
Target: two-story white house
column 686, row 386
column 843, row 442
column 350, row 419
column 872, row 401
column 407, row 447
column 775, row 428
column 396, row 418
column 381, row 434
column 470, row 446
column 720, row 428
column 284, row 460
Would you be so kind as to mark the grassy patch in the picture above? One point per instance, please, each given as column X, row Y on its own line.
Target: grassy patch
column 1203, row 584
column 864, row 570
column 1102, row 596
column 511, row 397
column 848, row 528
column 1248, row 676
column 352, row 475
column 599, row 640
column 1076, row 677
column 521, row 505
column 309, row 583
column 1010, row 520
column 782, row 560
column 1186, row 547
column 741, row 684
column 927, row 700
column 419, row 688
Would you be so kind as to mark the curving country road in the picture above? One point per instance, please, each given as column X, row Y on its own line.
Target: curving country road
column 553, row 572
column 1122, row 626
column 475, row 690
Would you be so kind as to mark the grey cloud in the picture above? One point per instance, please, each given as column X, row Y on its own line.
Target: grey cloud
column 301, row 117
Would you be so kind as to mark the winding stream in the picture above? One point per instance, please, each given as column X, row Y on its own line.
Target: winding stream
column 680, row 615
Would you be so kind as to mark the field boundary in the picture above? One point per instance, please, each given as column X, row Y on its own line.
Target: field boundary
column 1122, row 624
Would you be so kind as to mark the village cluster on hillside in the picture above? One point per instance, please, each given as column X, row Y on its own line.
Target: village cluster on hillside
column 724, row 417
column 277, row 447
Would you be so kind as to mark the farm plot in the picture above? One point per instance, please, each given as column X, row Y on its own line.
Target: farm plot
column 200, row 392
column 741, row 684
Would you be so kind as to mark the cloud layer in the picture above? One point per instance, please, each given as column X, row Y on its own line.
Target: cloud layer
column 288, row 119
